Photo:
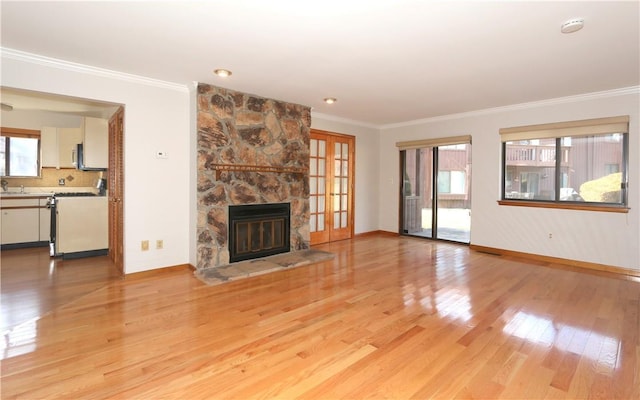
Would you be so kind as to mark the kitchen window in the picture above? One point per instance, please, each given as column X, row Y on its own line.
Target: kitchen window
column 19, row 153
column 576, row 164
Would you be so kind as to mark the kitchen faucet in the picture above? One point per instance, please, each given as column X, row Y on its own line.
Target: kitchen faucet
column 5, row 185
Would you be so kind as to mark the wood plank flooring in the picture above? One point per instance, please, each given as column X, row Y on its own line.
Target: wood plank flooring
column 389, row 317
column 34, row 284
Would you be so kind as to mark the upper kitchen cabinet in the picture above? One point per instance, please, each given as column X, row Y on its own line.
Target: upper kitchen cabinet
column 68, row 139
column 95, row 142
column 49, row 146
column 59, row 146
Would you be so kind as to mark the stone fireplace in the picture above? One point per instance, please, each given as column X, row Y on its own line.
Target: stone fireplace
column 251, row 151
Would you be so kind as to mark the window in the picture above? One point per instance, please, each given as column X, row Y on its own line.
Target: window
column 570, row 163
column 19, row 152
column 451, row 182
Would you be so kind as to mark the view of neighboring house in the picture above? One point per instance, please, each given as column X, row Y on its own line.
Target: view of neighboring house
column 582, row 160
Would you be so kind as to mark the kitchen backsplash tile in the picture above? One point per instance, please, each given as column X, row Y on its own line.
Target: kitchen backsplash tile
column 51, row 176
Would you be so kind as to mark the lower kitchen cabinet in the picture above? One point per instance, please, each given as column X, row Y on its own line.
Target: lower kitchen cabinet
column 20, row 225
column 24, row 221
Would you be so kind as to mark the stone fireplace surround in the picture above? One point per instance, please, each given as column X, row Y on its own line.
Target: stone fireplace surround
column 251, row 150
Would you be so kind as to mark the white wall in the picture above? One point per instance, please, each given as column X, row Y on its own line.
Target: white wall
column 156, row 191
column 367, row 167
column 37, row 119
column 596, row 237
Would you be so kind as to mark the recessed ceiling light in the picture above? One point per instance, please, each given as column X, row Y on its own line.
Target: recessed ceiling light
column 572, row 25
column 223, row 73
column 330, row 100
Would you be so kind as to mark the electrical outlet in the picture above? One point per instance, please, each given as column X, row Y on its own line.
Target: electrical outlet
column 551, row 236
column 144, row 245
column 159, row 244
column 61, row 181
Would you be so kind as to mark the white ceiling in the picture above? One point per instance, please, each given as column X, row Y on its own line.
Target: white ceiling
column 386, row 62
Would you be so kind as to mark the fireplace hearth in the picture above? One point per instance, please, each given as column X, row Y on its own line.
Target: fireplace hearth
column 258, row 230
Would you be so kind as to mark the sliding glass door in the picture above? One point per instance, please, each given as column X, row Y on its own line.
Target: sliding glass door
column 436, row 195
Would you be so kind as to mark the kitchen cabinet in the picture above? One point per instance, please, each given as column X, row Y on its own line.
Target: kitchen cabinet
column 45, row 220
column 96, row 142
column 59, row 146
column 20, row 221
column 49, row 146
column 68, row 139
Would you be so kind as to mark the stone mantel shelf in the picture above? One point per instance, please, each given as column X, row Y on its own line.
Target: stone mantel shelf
column 257, row 168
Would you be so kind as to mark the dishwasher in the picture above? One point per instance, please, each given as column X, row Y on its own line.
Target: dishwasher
column 79, row 225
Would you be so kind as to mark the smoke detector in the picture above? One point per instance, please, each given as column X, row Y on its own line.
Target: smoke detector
column 572, row 25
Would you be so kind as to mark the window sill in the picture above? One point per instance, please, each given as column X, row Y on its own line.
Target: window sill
column 568, row 206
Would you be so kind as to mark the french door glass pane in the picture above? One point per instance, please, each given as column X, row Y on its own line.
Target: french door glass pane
column 313, row 166
column 313, row 185
column 317, row 173
column 313, row 201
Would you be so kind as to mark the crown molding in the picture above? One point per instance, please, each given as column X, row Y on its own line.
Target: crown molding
column 520, row 106
column 87, row 69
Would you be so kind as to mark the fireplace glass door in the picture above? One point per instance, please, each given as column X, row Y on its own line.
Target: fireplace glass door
column 258, row 230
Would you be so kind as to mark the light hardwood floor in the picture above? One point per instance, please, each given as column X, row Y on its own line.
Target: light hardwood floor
column 389, row 317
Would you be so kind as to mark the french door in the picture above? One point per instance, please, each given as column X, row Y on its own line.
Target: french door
column 331, row 183
column 436, row 190
column 116, row 189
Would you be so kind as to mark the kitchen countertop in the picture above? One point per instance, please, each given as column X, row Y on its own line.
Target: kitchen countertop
column 25, row 194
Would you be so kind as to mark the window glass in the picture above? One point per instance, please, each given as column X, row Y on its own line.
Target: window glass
column 458, row 182
column 530, row 169
column 19, row 156
column 591, row 165
column 3, row 156
column 581, row 168
column 444, row 182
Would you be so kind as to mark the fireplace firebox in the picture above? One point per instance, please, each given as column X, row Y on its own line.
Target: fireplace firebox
column 258, row 230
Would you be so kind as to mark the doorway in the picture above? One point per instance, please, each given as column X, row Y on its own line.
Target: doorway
column 436, row 189
column 331, row 183
column 33, row 283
